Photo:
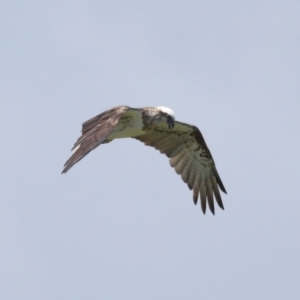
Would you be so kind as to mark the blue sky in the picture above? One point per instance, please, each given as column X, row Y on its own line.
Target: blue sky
column 121, row 224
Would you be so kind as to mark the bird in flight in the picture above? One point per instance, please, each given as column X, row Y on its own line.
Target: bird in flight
column 182, row 143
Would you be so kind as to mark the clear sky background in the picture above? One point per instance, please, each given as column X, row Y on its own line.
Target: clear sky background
column 121, row 224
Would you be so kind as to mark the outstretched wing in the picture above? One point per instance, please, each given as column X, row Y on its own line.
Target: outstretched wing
column 191, row 158
column 94, row 132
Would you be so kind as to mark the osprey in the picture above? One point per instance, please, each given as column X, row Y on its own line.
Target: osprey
column 156, row 127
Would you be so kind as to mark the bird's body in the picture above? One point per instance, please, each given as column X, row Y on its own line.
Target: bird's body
column 129, row 125
column 156, row 127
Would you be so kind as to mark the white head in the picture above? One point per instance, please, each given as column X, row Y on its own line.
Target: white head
column 168, row 115
column 167, row 110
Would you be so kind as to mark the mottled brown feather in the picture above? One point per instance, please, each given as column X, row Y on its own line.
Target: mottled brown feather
column 94, row 132
column 191, row 158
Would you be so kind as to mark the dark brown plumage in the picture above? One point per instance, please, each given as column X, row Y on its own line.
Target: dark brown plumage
column 94, row 132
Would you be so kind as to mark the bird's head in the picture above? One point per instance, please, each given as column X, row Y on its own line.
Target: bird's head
column 168, row 115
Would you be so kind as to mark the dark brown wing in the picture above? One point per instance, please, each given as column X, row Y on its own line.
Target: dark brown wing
column 94, row 132
column 191, row 158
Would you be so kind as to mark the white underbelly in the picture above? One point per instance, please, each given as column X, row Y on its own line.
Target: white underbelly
column 128, row 127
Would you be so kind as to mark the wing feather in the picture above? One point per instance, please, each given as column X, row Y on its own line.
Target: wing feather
column 217, row 192
column 158, row 140
column 94, row 133
column 203, row 196
column 195, row 196
column 174, row 151
column 219, row 181
column 179, row 168
column 187, row 174
column 191, row 158
column 210, row 197
column 170, row 144
column 177, row 159
column 192, row 178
